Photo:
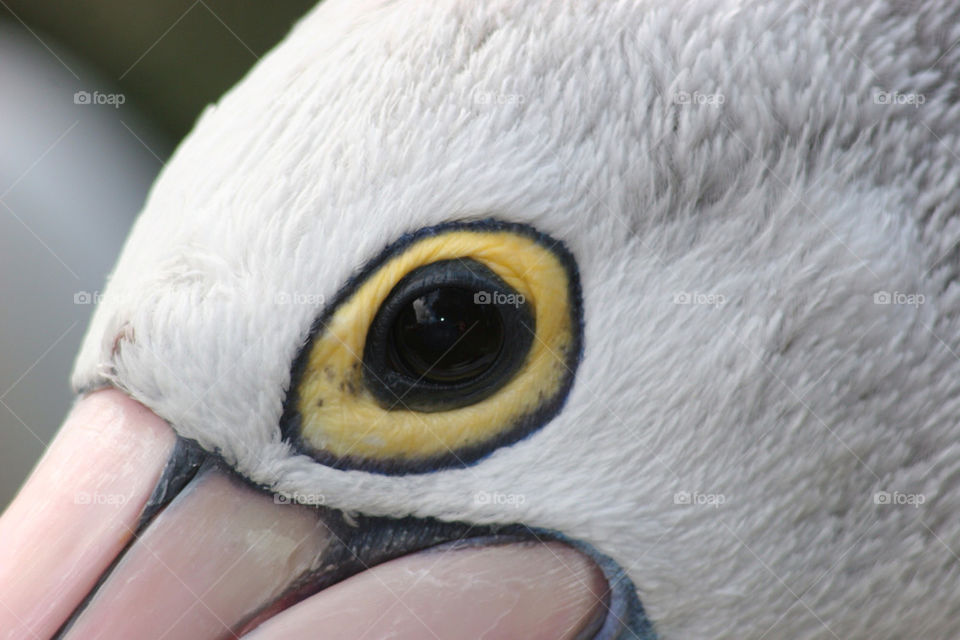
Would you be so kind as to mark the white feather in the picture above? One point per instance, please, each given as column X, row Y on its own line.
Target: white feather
column 791, row 201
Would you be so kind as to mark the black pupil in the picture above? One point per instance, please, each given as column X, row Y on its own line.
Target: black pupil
column 447, row 335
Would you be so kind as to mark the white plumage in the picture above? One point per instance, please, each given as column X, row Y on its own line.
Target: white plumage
column 762, row 158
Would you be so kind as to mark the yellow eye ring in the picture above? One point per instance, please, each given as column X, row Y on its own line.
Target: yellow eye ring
column 339, row 413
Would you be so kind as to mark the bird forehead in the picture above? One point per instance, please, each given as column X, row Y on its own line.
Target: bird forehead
column 369, row 123
column 406, row 115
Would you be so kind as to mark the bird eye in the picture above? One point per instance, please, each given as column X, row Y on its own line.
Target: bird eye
column 456, row 340
column 448, row 335
column 443, row 336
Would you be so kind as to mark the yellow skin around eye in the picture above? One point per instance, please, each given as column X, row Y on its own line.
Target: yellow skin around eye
column 339, row 415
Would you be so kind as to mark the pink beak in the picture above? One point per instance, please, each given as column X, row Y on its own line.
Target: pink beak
column 82, row 556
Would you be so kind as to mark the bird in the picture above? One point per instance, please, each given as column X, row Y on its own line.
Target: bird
column 660, row 298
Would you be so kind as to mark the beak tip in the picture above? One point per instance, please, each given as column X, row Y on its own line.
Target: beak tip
column 78, row 509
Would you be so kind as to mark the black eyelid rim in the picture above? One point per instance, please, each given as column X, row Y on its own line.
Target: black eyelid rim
column 290, row 421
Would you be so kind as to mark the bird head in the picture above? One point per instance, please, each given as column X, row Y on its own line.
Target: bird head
column 602, row 279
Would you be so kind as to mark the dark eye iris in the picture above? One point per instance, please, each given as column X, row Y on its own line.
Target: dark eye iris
column 445, row 336
column 449, row 334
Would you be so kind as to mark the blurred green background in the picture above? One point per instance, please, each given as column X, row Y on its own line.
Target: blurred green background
column 170, row 57
column 73, row 175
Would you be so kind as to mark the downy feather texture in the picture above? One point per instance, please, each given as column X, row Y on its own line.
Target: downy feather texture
column 737, row 180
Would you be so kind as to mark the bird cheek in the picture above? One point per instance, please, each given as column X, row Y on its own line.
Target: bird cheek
column 78, row 510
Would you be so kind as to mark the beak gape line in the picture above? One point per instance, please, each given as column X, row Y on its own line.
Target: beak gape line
column 337, row 546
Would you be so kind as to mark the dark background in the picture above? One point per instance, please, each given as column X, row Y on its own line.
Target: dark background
column 171, row 57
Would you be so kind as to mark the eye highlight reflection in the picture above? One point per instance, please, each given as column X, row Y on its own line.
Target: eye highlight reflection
column 443, row 336
column 456, row 340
